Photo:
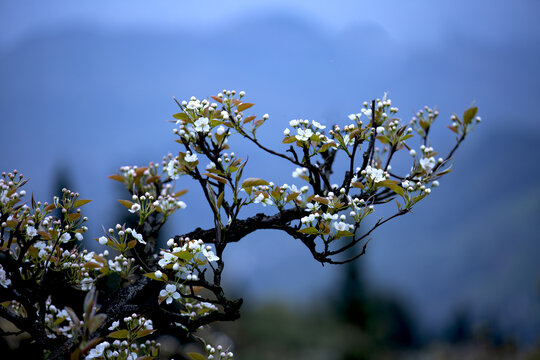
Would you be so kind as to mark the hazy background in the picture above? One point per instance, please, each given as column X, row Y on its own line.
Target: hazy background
column 86, row 87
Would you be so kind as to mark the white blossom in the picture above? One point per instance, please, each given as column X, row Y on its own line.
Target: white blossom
column 31, row 231
column 181, row 204
column 428, row 164
column 97, row 351
column 194, row 104
column 318, row 125
column 134, row 208
column 114, row 325
column 202, row 125
column 169, row 293
column 209, row 254
column 308, row 219
column 220, row 130
column 375, row 174
column 190, row 157
column 172, row 169
column 327, row 216
column 4, row 281
column 341, row 226
column 138, row 237
column 262, row 199
column 168, row 258
column 65, row 238
column 304, row 135
column 299, row 172
column 347, row 140
column 312, row 207
column 258, row 199
column 366, row 112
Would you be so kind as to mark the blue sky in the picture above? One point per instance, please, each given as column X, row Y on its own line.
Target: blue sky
column 408, row 21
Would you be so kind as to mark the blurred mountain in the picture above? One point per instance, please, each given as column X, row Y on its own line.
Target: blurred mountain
column 93, row 99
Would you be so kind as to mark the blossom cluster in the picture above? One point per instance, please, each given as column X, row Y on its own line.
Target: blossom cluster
column 149, row 192
column 124, row 350
column 36, row 237
column 59, row 322
column 127, row 333
column 180, row 266
column 218, row 353
column 121, row 238
column 273, row 195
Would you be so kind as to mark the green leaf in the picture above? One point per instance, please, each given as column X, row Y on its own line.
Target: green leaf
column 292, row 196
column 72, row 315
column 392, row 186
column 152, row 179
column 116, row 177
column 126, row 203
column 325, row 229
column 51, row 207
column 220, row 200
column 184, row 255
column 424, row 124
column 140, row 171
column 258, row 123
column 406, row 137
column 341, row 234
column 289, row 140
column 216, row 177
column 196, row 356
column 418, row 198
column 248, row 119
column 181, row 116
column 73, row 216
column 217, row 99
column 358, row 185
column 469, row 114
column 119, row 334
column 244, row 106
column 454, row 129
column 96, row 321
column 180, row 193
column 321, row 200
column 144, row 333
column 131, row 244
column 153, row 277
column 249, row 182
column 310, row 230
column 80, row 203
column 327, row 146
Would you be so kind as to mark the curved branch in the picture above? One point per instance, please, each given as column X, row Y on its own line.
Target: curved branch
column 244, row 227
